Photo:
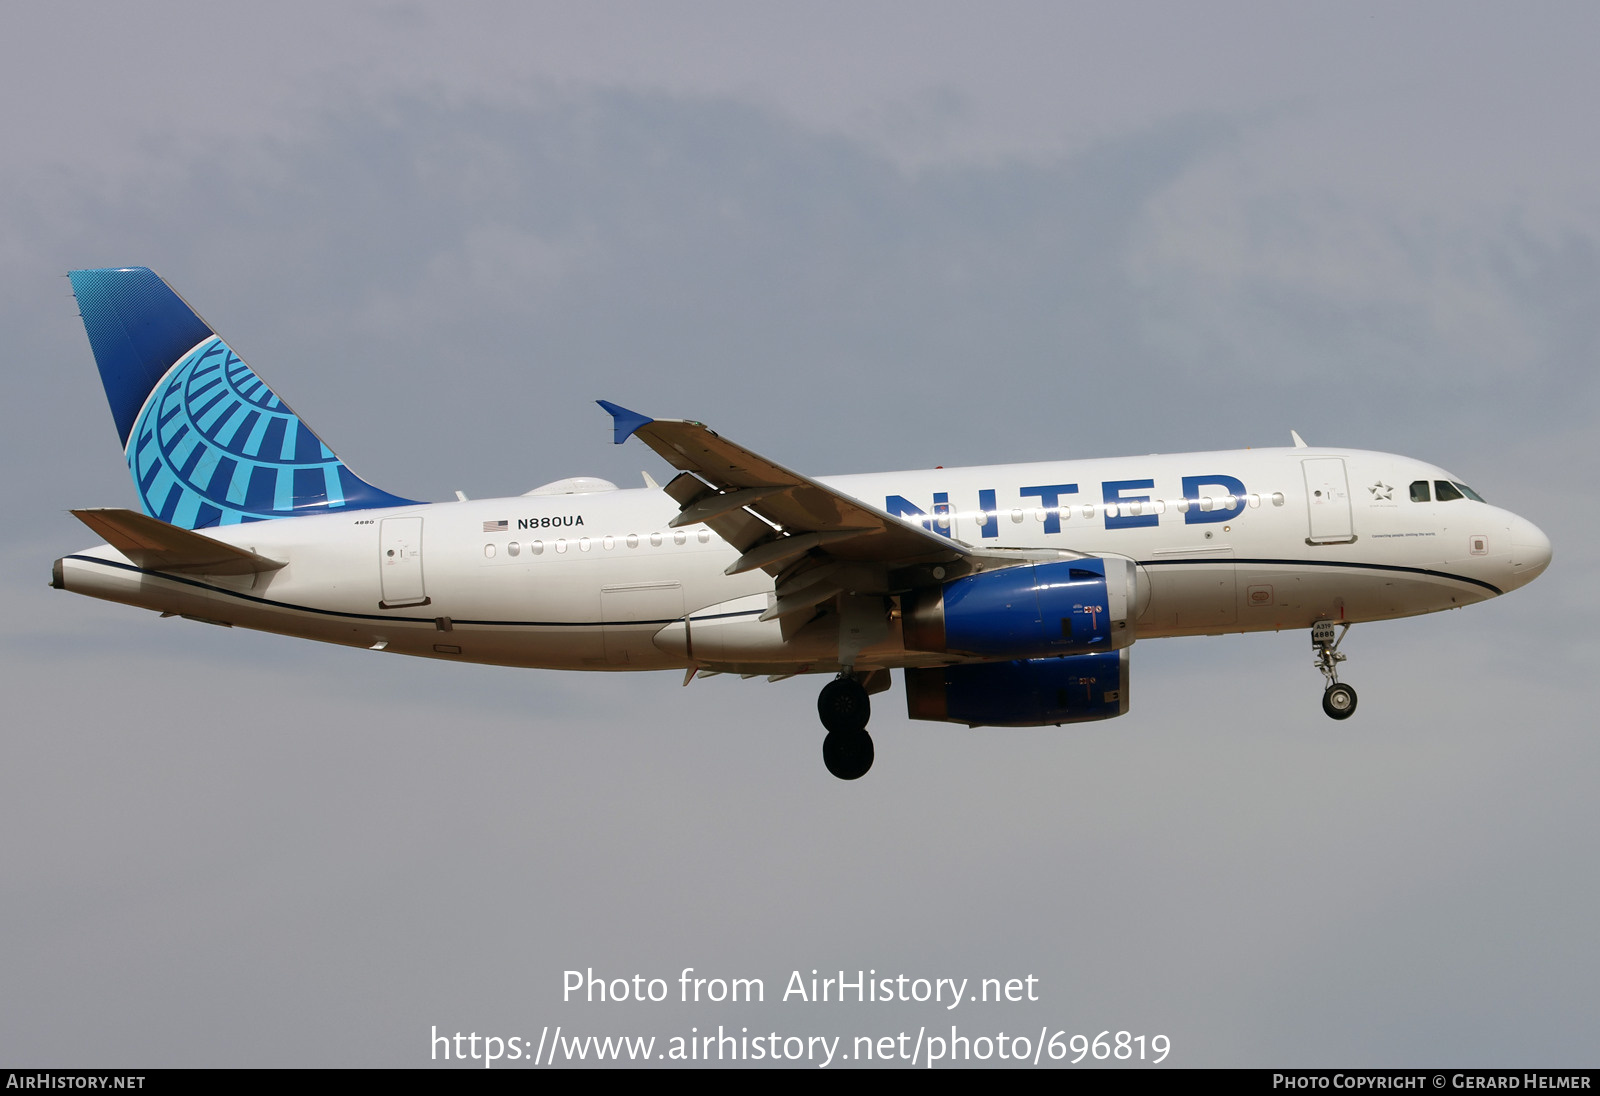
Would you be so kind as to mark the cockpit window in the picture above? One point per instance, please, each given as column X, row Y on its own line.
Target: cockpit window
column 1419, row 492
column 1469, row 492
column 1446, row 491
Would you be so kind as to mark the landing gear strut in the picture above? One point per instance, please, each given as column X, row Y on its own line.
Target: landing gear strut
column 845, row 709
column 1338, row 699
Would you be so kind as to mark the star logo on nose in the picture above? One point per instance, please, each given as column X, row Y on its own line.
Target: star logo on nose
column 1381, row 490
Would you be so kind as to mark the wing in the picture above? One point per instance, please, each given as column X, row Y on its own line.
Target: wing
column 782, row 522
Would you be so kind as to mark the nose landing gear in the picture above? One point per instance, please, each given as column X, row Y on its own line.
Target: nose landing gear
column 845, row 708
column 1338, row 699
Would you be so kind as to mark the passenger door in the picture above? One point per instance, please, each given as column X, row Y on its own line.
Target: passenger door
column 1328, row 501
column 400, row 562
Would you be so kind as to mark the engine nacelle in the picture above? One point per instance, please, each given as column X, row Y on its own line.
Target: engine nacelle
column 1034, row 610
column 1026, row 693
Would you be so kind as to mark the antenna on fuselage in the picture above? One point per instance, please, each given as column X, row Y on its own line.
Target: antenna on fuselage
column 1299, row 442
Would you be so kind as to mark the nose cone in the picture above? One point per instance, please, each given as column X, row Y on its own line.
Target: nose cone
column 1530, row 552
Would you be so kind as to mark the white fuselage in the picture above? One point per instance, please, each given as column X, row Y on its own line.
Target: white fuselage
column 1255, row 540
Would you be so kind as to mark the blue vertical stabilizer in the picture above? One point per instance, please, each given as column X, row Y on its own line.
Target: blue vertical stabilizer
column 208, row 443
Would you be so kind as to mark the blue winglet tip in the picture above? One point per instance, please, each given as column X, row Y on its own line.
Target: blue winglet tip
column 623, row 421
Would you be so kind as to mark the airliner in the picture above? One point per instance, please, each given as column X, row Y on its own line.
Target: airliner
column 1007, row 595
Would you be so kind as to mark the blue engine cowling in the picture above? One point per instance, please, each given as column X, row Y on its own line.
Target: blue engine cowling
column 1025, row 693
column 1070, row 606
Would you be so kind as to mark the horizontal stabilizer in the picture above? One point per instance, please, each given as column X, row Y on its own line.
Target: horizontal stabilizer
column 157, row 546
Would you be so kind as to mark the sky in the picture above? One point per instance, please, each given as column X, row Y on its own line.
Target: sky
column 853, row 237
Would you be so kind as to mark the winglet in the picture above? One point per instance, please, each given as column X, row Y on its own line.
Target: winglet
column 624, row 422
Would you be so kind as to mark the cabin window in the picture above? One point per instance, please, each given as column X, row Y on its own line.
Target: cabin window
column 1016, row 517
column 583, row 544
column 609, row 543
column 488, row 551
column 1419, row 492
column 561, row 544
column 655, row 540
column 679, row 536
column 1445, row 491
column 633, row 540
column 513, row 549
column 536, row 548
column 704, row 536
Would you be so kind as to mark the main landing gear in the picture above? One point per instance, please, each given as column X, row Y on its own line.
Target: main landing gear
column 845, row 709
column 1338, row 699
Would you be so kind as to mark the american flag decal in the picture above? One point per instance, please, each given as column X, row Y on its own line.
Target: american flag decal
column 495, row 526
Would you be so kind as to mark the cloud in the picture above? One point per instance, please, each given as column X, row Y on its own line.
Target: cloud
column 228, row 848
